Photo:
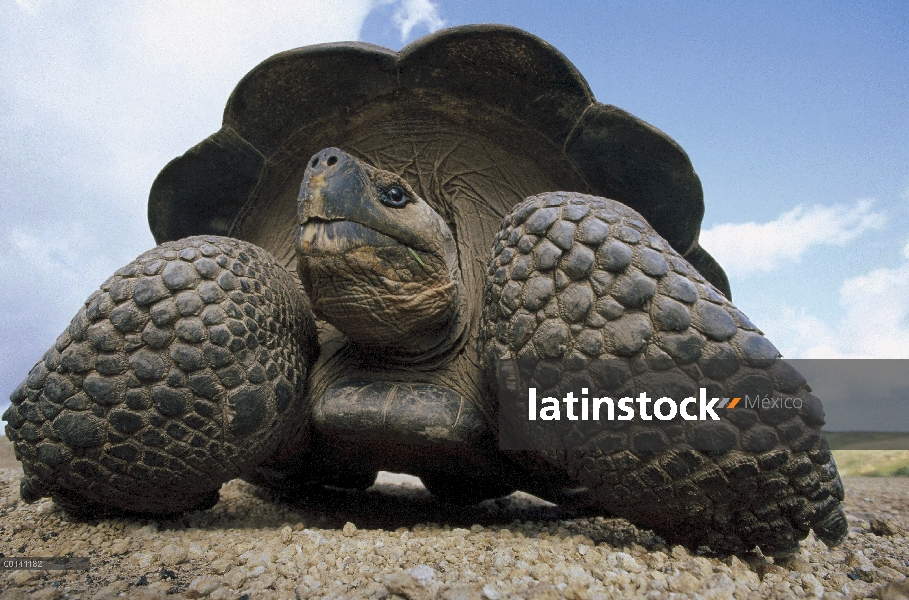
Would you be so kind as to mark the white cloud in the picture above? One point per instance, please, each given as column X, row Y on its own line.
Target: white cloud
column 213, row 36
column 97, row 98
column 875, row 323
column 48, row 271
column 138, row 74
column 58, row 257
column 29, row 6
column 744, row 248
column 411, row 13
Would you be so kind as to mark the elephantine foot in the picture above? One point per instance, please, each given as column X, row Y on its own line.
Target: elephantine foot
column 584, row 297
column 184, row 370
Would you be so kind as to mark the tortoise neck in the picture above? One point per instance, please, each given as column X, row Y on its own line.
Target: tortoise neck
column 432, row 347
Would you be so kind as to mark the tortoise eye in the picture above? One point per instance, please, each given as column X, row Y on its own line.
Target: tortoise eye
column 395, row 197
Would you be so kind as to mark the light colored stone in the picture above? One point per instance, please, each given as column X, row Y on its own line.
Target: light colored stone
column 22, row 577
column 196, row 551
column 221, row 566
column 202, row 586
column 627, row 562
column 172, row 554
column 48, row 593
column 286, row 533
column 684, row 583
column 765, row 570
column 794, row 563
column 111, row 590
column 235, row 578
column 857, row 559
column 894, row 590
column 349, row 529
column 575, row 591
column 415, row 583
column 885, row 526
column 223, row 593
column 812, row 586
column 462, row 591
column 119, row 547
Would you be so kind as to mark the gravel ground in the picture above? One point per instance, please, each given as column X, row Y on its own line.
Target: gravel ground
column 395, row 540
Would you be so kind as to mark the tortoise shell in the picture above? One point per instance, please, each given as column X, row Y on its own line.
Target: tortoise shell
column 476, row 118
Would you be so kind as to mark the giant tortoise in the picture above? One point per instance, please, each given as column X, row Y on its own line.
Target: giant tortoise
column 464, row 202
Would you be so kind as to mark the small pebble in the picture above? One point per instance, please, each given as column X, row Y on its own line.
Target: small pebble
column 894, row 590
column 202, row 586
column 885, row 527
column 172, row 555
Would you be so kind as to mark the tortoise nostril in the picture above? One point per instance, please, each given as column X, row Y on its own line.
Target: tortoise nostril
column 331, row 160
column 315, row 161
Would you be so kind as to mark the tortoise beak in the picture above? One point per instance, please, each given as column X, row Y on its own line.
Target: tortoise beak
column 334, row 187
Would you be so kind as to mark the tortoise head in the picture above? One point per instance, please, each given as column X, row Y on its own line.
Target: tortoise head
column 376, row 260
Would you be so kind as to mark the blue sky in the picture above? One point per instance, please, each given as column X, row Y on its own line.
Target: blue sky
column 795, row 116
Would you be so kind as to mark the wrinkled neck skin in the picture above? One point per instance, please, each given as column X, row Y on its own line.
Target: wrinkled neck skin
column 385, row 275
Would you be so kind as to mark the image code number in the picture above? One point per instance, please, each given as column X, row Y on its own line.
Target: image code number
column 56, row 563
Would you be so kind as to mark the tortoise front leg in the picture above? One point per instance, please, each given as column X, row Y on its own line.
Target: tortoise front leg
column 574, row 279
column 185, row 369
